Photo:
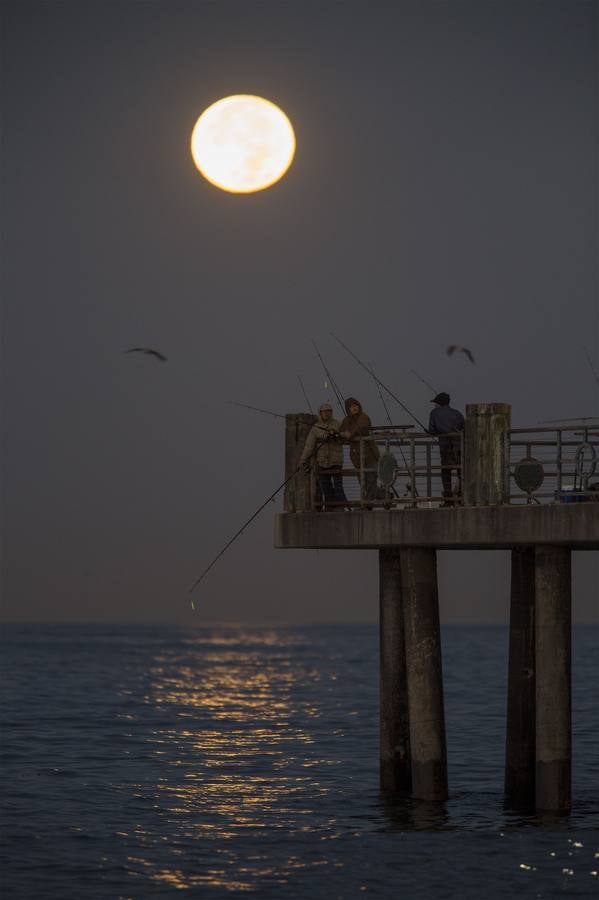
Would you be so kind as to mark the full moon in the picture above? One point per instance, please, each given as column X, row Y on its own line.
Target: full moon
column 243, row 143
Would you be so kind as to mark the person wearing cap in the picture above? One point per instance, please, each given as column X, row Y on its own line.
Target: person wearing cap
column 324, row 450
column 355, row 425
column 445, row 422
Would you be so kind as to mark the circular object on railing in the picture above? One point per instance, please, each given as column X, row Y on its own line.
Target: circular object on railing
column 529, row 474
column 586, row 460
column 387, row 469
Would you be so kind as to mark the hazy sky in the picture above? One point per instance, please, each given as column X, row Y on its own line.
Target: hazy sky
column 445, row 190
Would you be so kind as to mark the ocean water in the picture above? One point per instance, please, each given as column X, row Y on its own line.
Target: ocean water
column 221, row 761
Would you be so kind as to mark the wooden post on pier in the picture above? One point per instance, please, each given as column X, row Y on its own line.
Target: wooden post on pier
column 553, row 678
column 298, row 495
column 395, row 769
column 520, row 731
column 484, row 481
column 424, row 672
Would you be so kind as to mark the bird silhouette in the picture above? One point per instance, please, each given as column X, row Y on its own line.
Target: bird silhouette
column 148, row 350
column 453, row 347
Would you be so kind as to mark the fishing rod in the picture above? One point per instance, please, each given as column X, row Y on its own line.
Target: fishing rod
column 575, row 419
column 252, row 517
column 590, row 362
column 336, row 390
column 237, row 533
column 305, row 395
column 380, row 393
column 424, row 381
column 268, row 412
column 386, row 408
column 378, row 380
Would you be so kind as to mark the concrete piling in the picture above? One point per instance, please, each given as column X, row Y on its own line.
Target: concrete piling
column 553, row 737
column 520, row 731
column 395, row 768
column 424, row 672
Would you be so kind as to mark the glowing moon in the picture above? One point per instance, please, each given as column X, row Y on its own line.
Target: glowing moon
column 243, row 143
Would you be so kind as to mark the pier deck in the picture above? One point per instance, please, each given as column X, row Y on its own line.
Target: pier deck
column 573, row 525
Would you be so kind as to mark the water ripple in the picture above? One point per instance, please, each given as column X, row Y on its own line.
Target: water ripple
column 245, row 760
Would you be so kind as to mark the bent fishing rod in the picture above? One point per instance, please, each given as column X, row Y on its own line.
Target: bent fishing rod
column 251, row 519
column 378, row 380
column 336, row 390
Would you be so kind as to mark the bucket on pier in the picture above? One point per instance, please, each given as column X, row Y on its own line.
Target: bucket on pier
column 570, row 494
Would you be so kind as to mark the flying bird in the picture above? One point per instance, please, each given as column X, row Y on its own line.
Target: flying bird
column 148, row 350
column 453, row 347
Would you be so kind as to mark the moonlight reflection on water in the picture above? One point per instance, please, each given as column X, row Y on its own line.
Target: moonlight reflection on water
column 237, row 760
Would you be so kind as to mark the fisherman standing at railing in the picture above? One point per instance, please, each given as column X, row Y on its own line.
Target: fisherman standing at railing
column 324, row 445
column 443, row 421
column 356, row 425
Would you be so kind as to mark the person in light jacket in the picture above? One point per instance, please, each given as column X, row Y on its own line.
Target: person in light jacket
column 324, row 450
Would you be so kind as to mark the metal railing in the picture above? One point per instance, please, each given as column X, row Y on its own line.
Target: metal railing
column 552, row 465
column 542, row 465
column 407, row 473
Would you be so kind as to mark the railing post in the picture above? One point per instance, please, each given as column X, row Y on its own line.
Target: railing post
column 413, row 469
column 298, row 493
column 506, row 465
column 362, row 480
column 559, row 464
column 485, row 453
column 429, row 484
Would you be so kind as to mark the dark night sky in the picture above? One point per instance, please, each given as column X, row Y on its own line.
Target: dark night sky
column 444, row 191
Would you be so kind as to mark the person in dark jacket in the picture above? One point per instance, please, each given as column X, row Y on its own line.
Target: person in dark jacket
column 355, row 425
column 445, row 422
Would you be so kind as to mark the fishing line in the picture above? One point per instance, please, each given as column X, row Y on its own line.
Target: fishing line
column 378, row 380
column 405, row 462
column 424, row 381
column 305, row 395
column 336, row 390
column 267, row 412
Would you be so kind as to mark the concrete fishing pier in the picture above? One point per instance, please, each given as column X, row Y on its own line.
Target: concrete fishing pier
column 515, row 496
